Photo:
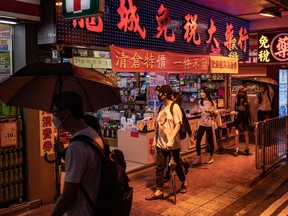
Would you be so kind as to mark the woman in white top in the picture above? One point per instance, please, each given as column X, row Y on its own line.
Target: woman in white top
column 264, row 100
column 206, row 107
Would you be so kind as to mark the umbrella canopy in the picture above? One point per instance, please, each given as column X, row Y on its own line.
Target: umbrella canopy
column 261, row 79
column 35, row 85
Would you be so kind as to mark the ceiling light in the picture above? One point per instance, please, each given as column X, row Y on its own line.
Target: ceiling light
column 270, row 12
column 8, row 22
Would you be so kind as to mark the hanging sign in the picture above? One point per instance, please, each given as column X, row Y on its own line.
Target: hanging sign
column 97, row 63
column 141, row 60
column 82, row 8
column 221, row 64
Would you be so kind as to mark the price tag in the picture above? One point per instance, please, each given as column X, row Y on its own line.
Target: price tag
column 134, row 134
column 8, row 133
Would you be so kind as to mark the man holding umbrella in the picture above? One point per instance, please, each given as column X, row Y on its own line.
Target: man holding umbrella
column 82, row 163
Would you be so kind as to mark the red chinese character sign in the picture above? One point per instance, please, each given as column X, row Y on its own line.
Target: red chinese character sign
column 129, row 19
column 158, row 25
column 140, row 60
column 46, row 133
column 272, row 47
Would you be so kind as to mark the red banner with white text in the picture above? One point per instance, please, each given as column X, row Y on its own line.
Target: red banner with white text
column 141, row 60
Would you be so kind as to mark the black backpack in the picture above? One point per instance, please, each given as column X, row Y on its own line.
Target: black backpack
column 183, row 129
column 115, row 195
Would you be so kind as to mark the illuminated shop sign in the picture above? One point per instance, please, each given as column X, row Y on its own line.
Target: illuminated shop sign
column 161, row 25
column 273, row 47
column 82, row 8
column 140, row 60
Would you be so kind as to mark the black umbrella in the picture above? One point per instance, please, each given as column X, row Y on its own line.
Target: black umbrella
column 35, row 85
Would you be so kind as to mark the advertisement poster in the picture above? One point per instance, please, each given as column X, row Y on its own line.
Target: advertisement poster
column 283, row 92
column 3, row 44
column 5, row 65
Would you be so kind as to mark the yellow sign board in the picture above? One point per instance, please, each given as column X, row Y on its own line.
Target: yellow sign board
column 222, row 64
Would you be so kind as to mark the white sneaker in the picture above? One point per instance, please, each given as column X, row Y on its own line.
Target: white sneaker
column 210, row 161
column 197, row 162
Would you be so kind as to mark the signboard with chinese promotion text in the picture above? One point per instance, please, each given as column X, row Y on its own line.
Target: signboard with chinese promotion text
column 46, row 133
column 221, row 64
column 97, row 63
column 82, row 8
column 8, row 134
column 141, row 60
column 272, row 47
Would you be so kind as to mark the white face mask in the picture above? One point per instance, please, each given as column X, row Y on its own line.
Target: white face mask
column 203, row 95
column 57, row 123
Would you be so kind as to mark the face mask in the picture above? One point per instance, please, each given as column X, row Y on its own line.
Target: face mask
column 203, row 95
column 57, row 123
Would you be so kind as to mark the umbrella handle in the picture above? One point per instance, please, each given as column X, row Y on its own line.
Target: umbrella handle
column 49, row 161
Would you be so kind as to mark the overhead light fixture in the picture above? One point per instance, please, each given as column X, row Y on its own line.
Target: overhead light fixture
column 8, row 22
column 271, row 12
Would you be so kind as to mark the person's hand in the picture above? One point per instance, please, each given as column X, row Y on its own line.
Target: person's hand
column 153, row 148
column 169, row 145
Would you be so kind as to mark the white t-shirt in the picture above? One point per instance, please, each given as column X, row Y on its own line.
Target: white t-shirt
column 206, row 119
column 166, row 124
column 83, row 164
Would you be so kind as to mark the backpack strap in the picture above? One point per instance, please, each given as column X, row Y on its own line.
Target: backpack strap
column 171, row 108
column 98, row 148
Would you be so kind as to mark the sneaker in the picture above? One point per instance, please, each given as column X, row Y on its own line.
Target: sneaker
column 155, row 196
column 235, row 153
column 183, row 188
column 246, row 152
column 186, row 165
column 210, row 161
column 197, row 162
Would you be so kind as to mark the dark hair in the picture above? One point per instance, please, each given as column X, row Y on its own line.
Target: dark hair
column 93, row 122
column 177, row 98
column 69, row 100
column 206, row 90
column 166, row 89
column 238, row 99
column 265, row 86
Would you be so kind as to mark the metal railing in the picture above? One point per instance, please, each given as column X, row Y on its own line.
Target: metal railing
column 270, row 142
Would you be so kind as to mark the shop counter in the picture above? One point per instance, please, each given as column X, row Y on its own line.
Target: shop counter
column 136, row 146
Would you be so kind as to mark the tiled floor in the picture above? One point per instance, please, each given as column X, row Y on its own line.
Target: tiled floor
column 203, row 183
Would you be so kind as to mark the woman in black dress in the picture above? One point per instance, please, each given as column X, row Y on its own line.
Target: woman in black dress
column 243, row 120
